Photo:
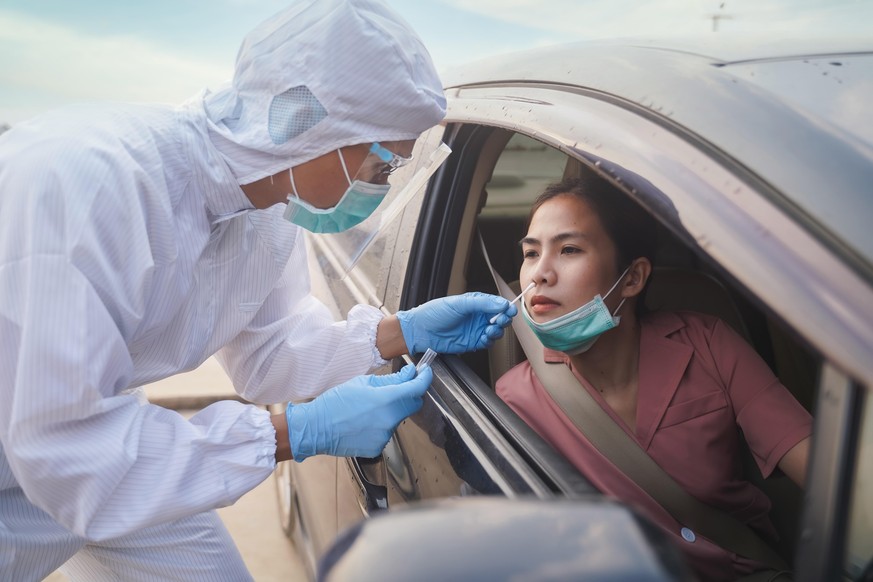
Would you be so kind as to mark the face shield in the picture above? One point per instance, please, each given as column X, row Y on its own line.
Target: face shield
column 362, row 197
column 404, row 177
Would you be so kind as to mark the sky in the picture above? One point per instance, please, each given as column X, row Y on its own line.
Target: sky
column 54, row 52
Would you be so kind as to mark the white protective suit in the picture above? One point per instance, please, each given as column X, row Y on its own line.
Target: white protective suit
column 128, row 253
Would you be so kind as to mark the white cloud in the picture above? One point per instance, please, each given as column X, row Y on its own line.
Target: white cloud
column 585, row 19
column 44, row 65
column 595, row 18
column 40, row 57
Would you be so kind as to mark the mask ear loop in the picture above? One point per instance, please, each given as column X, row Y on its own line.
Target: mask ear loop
column 343, row 162
column 617, row 309
column 611, row 289
column 293, row 185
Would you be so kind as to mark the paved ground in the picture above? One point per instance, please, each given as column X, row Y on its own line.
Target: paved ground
column 252, row 521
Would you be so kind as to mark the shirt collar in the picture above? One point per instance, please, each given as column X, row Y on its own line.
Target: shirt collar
column 662, row 365
column 656, row 324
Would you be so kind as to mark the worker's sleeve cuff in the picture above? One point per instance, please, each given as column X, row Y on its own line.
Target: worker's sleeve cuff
column 368, row 318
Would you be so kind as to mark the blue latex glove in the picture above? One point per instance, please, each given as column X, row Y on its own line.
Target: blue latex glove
column 356, row 418
column 456, row 324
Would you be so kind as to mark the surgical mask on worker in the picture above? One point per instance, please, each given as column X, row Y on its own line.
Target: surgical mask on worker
column 364, row 194
column 575, row 332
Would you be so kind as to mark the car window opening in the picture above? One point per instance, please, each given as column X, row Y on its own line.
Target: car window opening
column 683, row 279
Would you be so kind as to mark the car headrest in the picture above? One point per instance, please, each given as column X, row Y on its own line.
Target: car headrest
column 675, row 289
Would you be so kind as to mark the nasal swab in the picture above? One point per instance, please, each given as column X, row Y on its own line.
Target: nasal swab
column 520, row 295
column 429, row 355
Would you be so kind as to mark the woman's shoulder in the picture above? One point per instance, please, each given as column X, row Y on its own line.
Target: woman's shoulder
column 517, row 378
column 709, row 336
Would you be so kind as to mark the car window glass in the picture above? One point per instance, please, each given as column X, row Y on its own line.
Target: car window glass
column 524, row 169
column 859, row 541
column 387, row 258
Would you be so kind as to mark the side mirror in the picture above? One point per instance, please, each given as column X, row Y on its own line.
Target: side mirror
column 496, row 538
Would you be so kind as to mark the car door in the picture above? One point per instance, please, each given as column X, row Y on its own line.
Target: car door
column 725, row 221
column 720, row 219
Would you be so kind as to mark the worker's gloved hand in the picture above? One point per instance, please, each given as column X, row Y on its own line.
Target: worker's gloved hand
column 456, row 324
column 356, row 418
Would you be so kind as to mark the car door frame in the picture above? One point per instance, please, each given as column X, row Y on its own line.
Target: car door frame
column 738, row 211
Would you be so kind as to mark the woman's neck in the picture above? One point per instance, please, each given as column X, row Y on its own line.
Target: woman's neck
column 612, row 363
column 611, row 367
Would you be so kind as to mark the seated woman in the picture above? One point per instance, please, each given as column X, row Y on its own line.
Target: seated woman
column 681, row 383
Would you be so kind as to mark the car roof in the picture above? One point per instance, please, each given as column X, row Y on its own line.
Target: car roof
column 795, row 114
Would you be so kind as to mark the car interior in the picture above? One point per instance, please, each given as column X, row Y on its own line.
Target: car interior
column 512, row 169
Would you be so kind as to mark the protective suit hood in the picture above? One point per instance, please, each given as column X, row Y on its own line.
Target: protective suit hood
column 320, row 75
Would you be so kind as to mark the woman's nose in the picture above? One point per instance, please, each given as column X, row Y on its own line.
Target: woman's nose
column 543, row 273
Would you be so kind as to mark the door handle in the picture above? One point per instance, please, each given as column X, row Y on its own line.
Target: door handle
column 367, row 472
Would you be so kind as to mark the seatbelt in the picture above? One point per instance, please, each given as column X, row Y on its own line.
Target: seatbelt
column 626, row 454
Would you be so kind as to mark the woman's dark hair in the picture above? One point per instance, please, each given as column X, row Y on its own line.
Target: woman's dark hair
column 631, row 229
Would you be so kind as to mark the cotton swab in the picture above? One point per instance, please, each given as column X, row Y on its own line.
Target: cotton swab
column 520, row 295
column 429, row 355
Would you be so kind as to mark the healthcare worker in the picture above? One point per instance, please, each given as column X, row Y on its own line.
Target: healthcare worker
column 137, row 241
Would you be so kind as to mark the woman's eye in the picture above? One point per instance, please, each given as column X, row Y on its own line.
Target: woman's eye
column 529, row 254
column 570, row 250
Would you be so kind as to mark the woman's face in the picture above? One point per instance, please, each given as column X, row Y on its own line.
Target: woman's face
column 569, row 256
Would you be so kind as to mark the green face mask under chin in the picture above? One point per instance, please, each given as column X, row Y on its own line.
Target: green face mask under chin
column 575, row 332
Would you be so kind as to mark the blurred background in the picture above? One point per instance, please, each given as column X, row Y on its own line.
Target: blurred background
column 54, row 52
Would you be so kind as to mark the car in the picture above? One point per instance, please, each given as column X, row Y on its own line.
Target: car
column 755, row 158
